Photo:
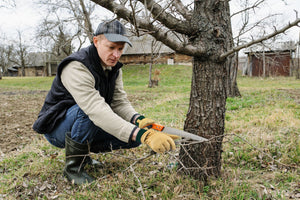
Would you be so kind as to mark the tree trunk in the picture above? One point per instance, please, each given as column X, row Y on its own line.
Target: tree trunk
column 234, row 90
column 150, row 75
column 206, row 112
column 298, row 63
column 206, row 118
column 232, row 68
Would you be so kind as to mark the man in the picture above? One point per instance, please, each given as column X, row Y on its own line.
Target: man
column 87, row 109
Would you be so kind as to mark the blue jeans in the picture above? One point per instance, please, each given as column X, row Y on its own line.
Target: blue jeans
column 84, row 131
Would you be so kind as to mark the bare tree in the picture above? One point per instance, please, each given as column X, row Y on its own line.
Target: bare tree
column 19, row 54
column 5, row 54
column 200, row 30
column 70, row 16
column 247, row 10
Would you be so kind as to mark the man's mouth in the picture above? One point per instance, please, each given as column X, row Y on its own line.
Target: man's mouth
column 112, row 61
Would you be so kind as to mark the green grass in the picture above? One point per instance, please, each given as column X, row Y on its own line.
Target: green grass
column 261, row 147
column 26, row 83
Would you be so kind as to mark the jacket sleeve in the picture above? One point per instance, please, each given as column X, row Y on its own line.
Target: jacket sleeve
column 120, row 103
column 79, row 81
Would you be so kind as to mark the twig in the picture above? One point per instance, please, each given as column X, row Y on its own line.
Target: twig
column 258, row 149
column 138, row 180
column 255, row 5
column 140, row 159
column 133, row 164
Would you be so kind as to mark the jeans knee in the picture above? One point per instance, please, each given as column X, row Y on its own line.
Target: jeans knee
column 83, row 129
column 54, row 141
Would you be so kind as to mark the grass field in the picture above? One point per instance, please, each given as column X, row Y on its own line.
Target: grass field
column 261, row 158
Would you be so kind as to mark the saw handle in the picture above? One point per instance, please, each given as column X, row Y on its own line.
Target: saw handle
column 157, row 127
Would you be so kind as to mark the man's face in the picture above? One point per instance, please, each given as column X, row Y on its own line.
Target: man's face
column 109, row 52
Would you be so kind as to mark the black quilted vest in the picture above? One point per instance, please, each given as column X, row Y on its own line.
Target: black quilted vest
column 59, row 100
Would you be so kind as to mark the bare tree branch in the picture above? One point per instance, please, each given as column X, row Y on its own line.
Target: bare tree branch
column 159, row 33
column 255, row 5
column 87, row 21
column 276, row 32
column 182, row 9
column 168, row 20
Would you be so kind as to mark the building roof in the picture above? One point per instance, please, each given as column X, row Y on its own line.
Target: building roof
column 142, row 45
column 13, row 69
column 273, row 47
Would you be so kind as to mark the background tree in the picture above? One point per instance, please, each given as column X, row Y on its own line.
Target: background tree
column 69, row 20
column 5, row 53
column 246, row 10
column 200, row 29
column 5, row 50
column 19, row 54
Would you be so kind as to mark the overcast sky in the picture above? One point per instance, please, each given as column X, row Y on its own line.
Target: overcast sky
column 26, row 16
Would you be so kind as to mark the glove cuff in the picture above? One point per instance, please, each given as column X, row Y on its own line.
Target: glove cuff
column 138, row 119
column 133, row 120
column 139, row 135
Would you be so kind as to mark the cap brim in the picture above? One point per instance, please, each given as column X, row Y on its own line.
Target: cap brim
column 117, row 38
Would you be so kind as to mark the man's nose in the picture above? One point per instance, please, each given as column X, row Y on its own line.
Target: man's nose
column 117, row 53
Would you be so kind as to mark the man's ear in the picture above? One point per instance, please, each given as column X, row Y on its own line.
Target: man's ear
column 95, row 40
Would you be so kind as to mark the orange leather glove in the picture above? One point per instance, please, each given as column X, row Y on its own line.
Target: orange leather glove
column 158, row 141
column 143, row 122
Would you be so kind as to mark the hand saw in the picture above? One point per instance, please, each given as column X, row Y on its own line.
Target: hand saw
column 177, row 132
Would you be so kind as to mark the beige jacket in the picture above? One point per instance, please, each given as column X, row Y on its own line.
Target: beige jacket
column 114, row 119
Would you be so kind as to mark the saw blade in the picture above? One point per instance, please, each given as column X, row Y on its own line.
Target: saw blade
column 184, row 134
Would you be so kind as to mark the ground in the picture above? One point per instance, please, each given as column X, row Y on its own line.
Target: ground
column 18, row 109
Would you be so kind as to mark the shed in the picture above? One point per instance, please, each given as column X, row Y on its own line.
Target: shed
column 12, row 71
column 270, row 62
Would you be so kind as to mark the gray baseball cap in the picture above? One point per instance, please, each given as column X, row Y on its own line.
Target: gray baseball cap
column 113, row 30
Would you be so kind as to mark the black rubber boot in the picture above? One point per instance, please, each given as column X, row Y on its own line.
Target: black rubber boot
column 94, row 163
column 76, row 159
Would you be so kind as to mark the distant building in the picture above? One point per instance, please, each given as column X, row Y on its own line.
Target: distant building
column 41, row 64
column 143, row 47
column 270, row 62
column 12, row 71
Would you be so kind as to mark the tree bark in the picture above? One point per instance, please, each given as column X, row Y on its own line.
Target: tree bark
column 206, row 118
column 232, row 62
column 206, row 112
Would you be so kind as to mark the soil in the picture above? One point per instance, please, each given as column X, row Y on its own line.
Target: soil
column 19, row 110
